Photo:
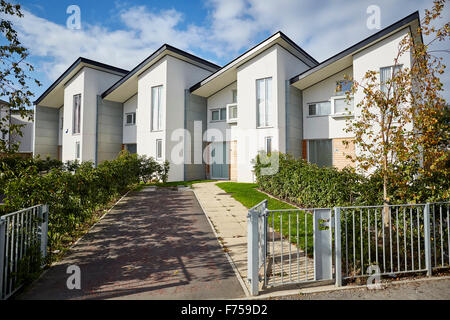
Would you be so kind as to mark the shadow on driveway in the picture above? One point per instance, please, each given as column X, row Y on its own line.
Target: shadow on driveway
column 152, row 245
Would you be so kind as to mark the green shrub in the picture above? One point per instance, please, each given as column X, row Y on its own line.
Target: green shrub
column 74, row 191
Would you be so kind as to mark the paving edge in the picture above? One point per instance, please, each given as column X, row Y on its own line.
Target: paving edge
column 75, row 243
column 235, row 269
column 332, row 288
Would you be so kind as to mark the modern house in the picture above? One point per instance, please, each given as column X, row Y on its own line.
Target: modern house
column 24, row 141
column 210, row 121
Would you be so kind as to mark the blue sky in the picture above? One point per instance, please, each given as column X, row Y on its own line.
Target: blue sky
column 123, row 33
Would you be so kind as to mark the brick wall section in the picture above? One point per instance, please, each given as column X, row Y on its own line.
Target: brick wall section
column 340, row 151
column 233, row 160
column 304, row 150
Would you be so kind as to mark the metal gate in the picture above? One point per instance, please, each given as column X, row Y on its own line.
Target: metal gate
column 310, row 245
column 289, row 247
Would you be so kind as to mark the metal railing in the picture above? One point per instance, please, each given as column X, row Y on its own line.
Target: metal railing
column 296, row 246
column 23, row 246
column 394, row 239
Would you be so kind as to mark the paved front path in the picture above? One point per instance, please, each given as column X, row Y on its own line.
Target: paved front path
column 152, row 245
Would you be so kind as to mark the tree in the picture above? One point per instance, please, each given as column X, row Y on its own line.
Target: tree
column 14, row 77
column 397, row 129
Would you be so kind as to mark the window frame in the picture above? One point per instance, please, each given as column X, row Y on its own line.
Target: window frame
column 220, row 114
column 159, row 148
column 345, row 113
column 391, row 67
column 267, row 106
column 308, row 150
column 133, row 116
column 229, row 119
column 159, row 89
column 266, row 139
column 319, row 115
column 76, row 115
column 77, row 150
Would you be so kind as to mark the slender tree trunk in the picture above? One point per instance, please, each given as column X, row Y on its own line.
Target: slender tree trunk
column 386, row 216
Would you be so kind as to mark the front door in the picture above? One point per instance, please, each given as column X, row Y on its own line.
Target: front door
column 219, row 160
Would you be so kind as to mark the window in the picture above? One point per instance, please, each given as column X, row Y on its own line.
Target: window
column 345, row 86
column 156, row 108
column 130, row 118
column 76, row 113
column 219, row 114
column 341, row 106
column 234, row 96
column 268, row 145
column 319, row 108
column 232, row 113
column 386, row 75
column 159, row 149
column 77, row 150
column 320, row 152
column 131, row 148
column 264, row 102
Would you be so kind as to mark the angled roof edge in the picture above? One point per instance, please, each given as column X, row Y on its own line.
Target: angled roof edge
column 152, row 57
column 71, row 68
column 282, row 35
column 402, row 22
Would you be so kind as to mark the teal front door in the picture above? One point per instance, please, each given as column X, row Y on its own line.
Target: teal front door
column 219, row 161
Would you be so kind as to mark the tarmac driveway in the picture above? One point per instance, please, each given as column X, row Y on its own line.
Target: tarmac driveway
column 152, row 245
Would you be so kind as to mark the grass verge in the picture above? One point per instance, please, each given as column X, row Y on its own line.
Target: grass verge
column 301, row 222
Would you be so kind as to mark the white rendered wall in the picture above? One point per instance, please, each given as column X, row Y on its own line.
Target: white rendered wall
column 129, row 131
column 323, row 127
column 219, row 129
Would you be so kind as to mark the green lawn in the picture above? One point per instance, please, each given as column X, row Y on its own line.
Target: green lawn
column 247, row 194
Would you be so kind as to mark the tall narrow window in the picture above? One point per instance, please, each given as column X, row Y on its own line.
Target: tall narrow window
column 264, row 102
column 268, row 145
column 77, row 150
column 156, row 108
column 76, row 113
column 159, row 149
column 234, row 96
column 130, row 118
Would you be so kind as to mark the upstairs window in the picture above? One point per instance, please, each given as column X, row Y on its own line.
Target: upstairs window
column 219, row 114
column 264, row 102
column 341, row 106
column 386, row 75
column 319, row 108
column 76, row 113
column 156, row 108
column 234, row 99
column 130, row 118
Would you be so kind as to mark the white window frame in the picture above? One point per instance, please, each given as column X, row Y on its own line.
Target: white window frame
column 266, row 139
column 220, row 114
column 77, row 150
column 333, row 107
column 229, row 118
column 159, row 148
column 76, row 115
column 307, row 150
column 133, row 115
column 159, row 125
column 268, row 105
column 399, row 66
column 319, row 115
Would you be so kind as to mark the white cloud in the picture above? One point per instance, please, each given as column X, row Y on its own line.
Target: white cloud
column 322, row 28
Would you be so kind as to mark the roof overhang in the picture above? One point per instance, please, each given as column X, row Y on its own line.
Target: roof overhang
column 344, row 59
column 54, row 96
column 126, row 87
column 228, row 74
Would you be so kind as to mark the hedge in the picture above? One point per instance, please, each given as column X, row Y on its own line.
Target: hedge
column 73, row 191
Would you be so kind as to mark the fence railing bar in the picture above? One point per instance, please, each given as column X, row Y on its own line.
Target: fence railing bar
column 368, row 235
column 362, row 245
column 441, row 235
column 398, row 243
column 346, row 245
column 390, row 239
column 412, row 242
column 289, row 240
column 448, row 235
column 376, row 237
column 404, row 237
column 23, row 210
column 281, row 243
column 273, row 242
column 306, row 246
column 354, row 241
column 418, row 240
column 298, row 249
column 434, row 234
column 384, row 237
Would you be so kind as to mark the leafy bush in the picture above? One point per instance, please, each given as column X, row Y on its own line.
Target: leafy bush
column 308, row 185
column 74, row 192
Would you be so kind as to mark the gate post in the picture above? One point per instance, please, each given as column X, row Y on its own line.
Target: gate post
column 43, row 215
column 253, row 252
column 2, row 253
column 337, row 246
column 427, row 237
